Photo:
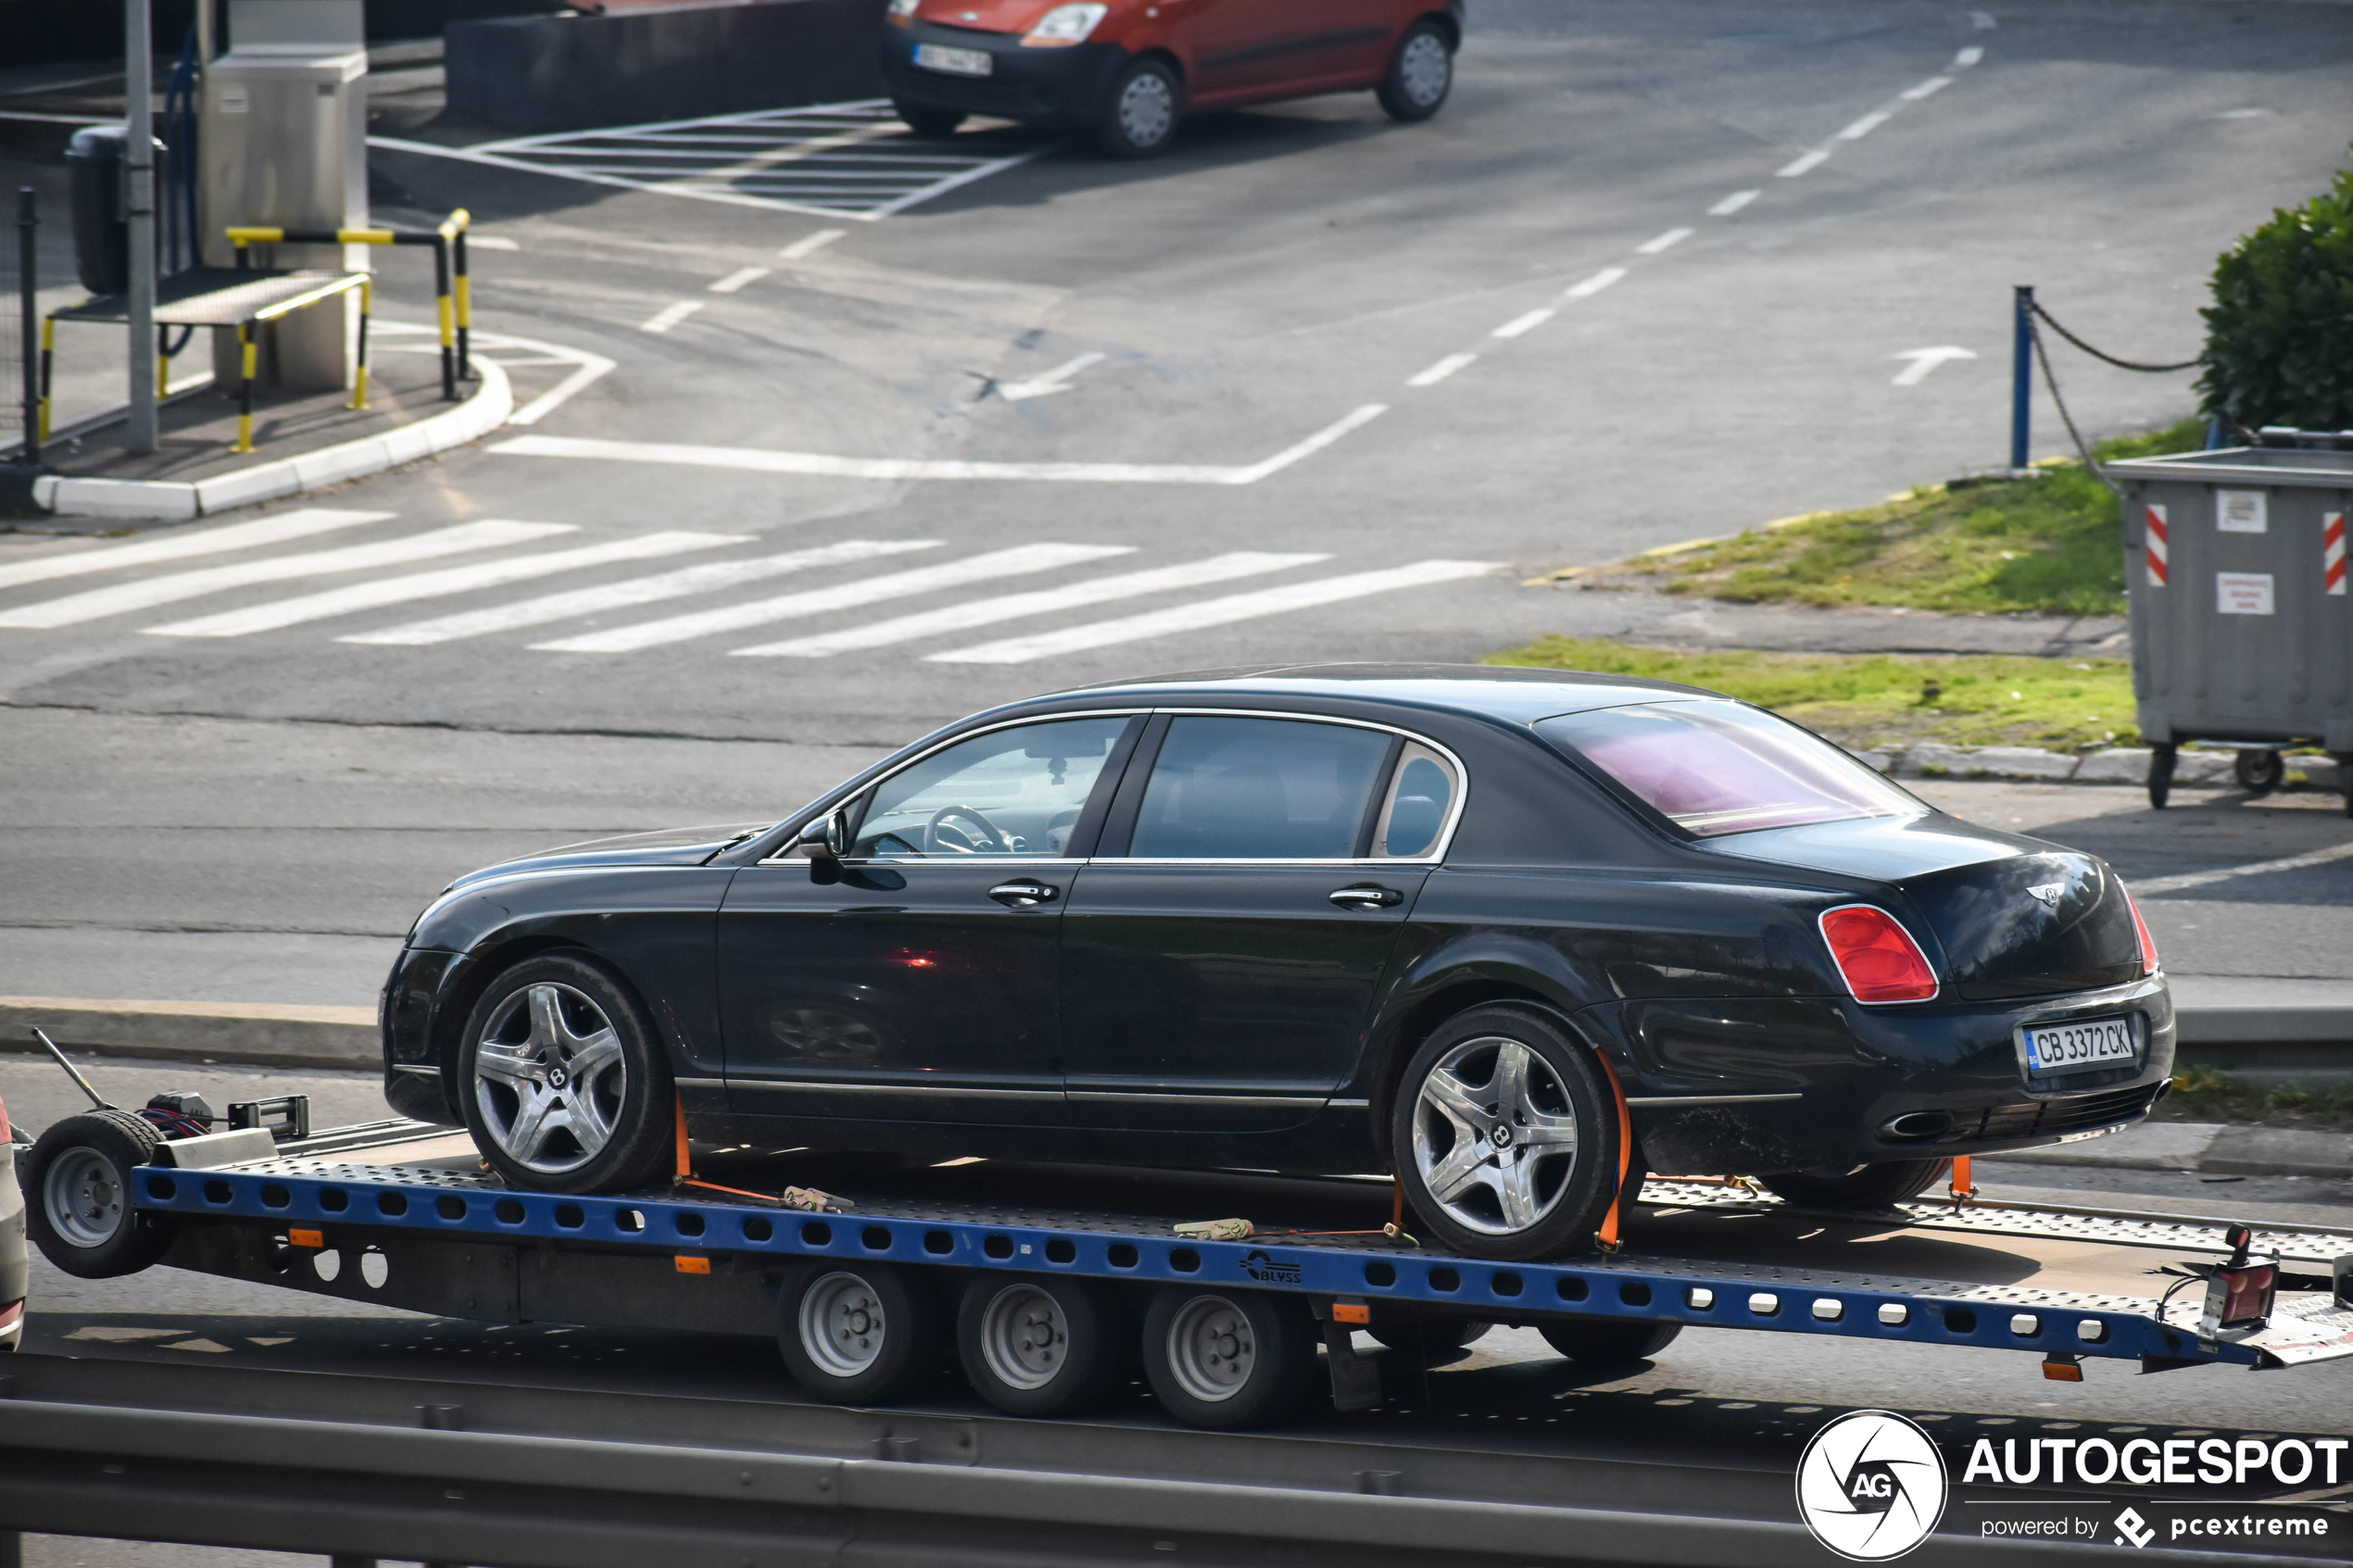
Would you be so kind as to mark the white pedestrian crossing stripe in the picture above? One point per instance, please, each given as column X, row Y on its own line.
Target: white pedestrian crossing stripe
column 846, row 577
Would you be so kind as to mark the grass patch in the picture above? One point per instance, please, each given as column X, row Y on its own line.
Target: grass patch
column 2046, row 546
column 2205, row 1094
column 1868, row 700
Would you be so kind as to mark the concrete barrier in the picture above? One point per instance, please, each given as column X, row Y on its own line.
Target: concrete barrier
column 575, row 72
column 240, row 1032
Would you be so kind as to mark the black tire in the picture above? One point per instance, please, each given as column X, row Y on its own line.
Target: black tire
column 1864, row 1187
column 77, row 1196
column 859, row 1334
column 1607, row 1342
column 1227, row 1359
column 2259, row 773
column 1430, row 1340
column 1042, row 1347
column 1141, row 110
column 1420, row 74
column 2160, row 775
column 928, row 120
column 626, row 1092
column 1567, row 1190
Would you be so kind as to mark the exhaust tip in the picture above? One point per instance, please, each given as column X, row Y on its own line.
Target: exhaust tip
column 1917, row 1125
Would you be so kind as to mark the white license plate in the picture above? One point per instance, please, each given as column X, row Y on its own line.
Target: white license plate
column 2070, row 1048
column 955, row 62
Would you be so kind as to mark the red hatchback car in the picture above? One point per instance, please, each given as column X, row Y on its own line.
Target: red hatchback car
column 1126, row 70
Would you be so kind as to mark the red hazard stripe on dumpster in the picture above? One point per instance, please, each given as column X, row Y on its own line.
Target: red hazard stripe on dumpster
column 2333, row 553
column 2156, row 546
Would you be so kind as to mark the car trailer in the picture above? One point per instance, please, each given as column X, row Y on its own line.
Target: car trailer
column 862, row 1292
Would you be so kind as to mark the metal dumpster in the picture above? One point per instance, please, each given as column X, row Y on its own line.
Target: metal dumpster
column 2242, row 627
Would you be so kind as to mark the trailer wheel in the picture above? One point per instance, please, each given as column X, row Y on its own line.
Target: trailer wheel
column 1227, row 1359
column 1600, row 1342
column 77, row 1183
column 2259, row 773
column 1042, row 1347
column 1429, row 1341
column 859, row 1334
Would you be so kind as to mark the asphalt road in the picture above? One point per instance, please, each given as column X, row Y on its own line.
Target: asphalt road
column 256, row 811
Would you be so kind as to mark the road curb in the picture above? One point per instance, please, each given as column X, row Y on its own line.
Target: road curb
column 2216, row 1148
column 246, row 1034
column 171, row 500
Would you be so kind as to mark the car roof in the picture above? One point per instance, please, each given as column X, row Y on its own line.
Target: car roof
column 1507, row 693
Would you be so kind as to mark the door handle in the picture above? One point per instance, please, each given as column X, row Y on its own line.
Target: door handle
column 1366, row 895
column 1023, row 894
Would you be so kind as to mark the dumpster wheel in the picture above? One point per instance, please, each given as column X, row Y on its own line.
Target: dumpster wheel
column 2259, row 773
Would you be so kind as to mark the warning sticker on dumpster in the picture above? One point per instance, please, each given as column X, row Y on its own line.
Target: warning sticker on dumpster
column 2241, row 511
column 2243, row 592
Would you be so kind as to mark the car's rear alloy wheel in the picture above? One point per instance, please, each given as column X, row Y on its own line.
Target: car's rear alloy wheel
column 78, row 1202
column 860, row 1333
column 566, row 1086
column 1140, row 118
column 1420, row 74
column 1858, row 1187
column 1504, row 1134
column 1044, row 1346
column 1227, row 1359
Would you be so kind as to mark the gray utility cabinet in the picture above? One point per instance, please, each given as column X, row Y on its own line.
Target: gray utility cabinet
column 2242, row 625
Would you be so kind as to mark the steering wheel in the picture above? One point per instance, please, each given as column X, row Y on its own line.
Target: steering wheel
column 987, row 841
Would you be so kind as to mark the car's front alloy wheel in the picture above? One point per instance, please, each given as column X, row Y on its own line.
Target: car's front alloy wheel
column 1504, row 1134
column 565, row 1085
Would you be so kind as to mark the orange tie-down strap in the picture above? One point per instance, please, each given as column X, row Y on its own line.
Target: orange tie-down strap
column 1607, row 1235
column 1962, row 1188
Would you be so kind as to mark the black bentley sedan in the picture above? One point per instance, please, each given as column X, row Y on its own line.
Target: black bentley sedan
column 1466, row 923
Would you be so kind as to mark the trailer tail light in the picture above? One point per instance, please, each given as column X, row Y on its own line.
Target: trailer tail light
column 2239, row 1293
column 1876, row 956
column 2141, row 930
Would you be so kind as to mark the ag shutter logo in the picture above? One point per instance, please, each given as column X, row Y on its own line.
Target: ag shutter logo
column 1872, row 1486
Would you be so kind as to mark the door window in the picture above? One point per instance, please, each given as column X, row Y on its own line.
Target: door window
column 1008, row 792
column 1259, row 789
column 1419, row 798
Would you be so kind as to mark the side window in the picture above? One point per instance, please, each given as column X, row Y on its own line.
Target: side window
column 1418, row 801
column 1259, row 789
column 1008, row 792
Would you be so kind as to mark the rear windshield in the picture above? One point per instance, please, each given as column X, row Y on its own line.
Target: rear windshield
column 1714, row 768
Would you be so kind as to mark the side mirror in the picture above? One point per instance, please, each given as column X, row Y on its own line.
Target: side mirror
column 827, row 837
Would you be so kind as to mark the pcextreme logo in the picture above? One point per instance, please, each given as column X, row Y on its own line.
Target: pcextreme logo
column 1872, row 1486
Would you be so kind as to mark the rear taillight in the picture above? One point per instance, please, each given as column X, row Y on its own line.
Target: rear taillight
column 1876, row 956
column 2141, row 930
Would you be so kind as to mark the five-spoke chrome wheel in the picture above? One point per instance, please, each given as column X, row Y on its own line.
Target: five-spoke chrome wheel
column 83, row 1198
column 843, row 1325
column 551, row 1077
column 1496, row 1135
column 1024, row 1337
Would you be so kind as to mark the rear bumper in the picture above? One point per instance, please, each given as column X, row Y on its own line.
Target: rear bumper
column 1753, row 1087
column 1058, row 86
column 11, row 1325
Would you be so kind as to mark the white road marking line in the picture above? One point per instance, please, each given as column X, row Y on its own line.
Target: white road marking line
column 1924, row 360
column 1526, row 323
column 825, row 466
column 810, row 244
column 490, row 242
column 1590, row 286
column 1865, row 126
column 1053, row 380
column 1666, row 242
column 1802, row 163
column 1044, row 601
column 1214, row 612
column 1733, row 203
column 1967, row 58
column 148, row 593
column 591, row 366
column 670, row 315
column 179, row 546
column 1018, row 561
column 433, row 584
column 1443, row 369
column 738, row 278
column 1933, row 85
column 577, row 602
column 1983, row 21
column 2158, row 886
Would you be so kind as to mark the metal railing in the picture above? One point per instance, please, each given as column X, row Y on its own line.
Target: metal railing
column 453, row 293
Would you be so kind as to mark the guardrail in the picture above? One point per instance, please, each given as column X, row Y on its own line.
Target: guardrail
column 453, row 290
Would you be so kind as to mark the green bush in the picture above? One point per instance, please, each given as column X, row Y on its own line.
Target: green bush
column 2278, row 342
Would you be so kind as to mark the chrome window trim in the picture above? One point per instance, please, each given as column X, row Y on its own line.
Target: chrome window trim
column 835, row 803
